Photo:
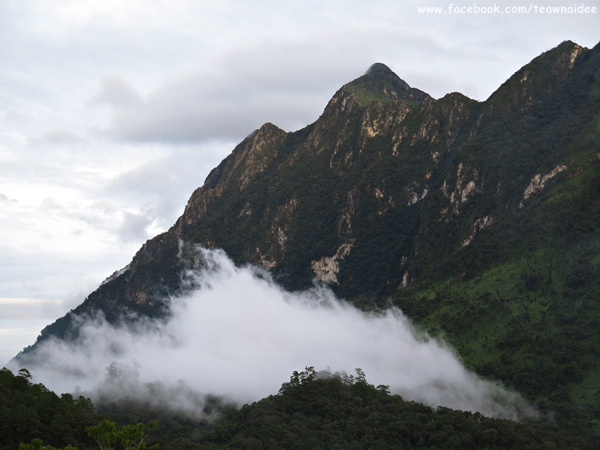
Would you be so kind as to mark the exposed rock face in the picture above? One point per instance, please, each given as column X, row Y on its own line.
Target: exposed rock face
column 538, row 182
column 479, row 225
column 387, row 182
column 247, row 161
column 465, row 186
column 327, row 268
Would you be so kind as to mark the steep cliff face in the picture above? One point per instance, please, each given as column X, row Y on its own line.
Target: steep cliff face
column 249, row 159
column 388, row 189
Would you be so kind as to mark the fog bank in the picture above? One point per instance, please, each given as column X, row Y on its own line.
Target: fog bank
column 240, row 335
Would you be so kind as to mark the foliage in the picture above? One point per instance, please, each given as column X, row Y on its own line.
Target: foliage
column 324, row 410
column 338, row 411
column 38, row 444
column 528, row 315
column 110, row 435
column 28, row 411
column 32, row 413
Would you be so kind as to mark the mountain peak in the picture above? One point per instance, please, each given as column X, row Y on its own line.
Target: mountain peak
column 381, row 84
column 533, row 82
column 379, row 69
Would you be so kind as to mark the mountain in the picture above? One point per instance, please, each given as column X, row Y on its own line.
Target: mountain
column 480, row 220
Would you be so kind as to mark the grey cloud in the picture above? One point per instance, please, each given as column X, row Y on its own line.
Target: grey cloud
column 284, row 83
column 16, row 117
column 61, row 137
column 134, row 227
column 197, row 110
column 69, row 211
column 289, row 83
column 117, row 93
column 51, row 206
column 163, row 185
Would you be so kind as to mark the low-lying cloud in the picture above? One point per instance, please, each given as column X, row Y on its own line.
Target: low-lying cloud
column 239, row 335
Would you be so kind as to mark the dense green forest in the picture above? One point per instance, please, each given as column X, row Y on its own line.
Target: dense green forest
column 29, row 411
column 313, row 410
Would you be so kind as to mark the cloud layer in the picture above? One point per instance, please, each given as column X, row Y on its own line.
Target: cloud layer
column 239, row 335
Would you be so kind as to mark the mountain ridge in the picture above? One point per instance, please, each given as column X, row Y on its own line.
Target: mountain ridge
column 260, row 138
column 392, row 195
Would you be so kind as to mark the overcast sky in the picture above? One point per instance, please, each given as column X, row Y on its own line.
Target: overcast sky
column 113, row 111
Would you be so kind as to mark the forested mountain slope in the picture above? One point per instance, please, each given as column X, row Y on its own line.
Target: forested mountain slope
column 480, row 220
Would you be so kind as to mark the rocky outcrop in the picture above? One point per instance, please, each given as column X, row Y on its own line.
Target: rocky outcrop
column 538, row 181
column 327, row 268
column 479, row 225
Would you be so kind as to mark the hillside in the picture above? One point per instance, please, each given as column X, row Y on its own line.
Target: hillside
column 312, row 410
column 480, row 220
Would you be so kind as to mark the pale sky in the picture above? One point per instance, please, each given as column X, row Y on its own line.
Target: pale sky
column 113, row 111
